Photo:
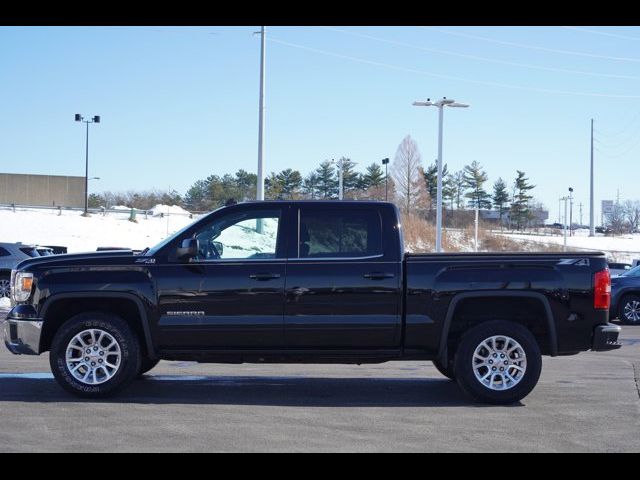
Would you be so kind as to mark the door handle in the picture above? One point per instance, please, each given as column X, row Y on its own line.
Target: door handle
column 378, row 275
column 264, row 276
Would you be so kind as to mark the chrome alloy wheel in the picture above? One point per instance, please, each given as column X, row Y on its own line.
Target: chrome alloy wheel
column 5, row 288
column 632, row 311
column 93, row 356
column 499, row 362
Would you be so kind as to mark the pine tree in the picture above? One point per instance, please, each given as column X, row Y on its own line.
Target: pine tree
column 373, row 177
column 310, row 185
column 327, row 183
column 290, row 182
column 246, row 185
column 520, row 201
column 475, row 178
column 431, row 181
column 350, row 178
column 458, row 186
column 500, row 197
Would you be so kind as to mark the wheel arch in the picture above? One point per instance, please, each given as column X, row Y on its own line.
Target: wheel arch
column 132, row 304
column 542, row 301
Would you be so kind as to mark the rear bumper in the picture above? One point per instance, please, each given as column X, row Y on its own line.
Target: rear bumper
column 22, row 337
column 605, row 337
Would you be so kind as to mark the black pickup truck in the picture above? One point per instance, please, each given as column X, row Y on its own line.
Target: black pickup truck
column 308, row 282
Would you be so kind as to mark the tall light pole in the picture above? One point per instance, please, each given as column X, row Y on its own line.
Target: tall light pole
column 340, row 164
column 444, row 102
column 592, row 228
column 260, row 187
column 94, row 119
column 385, row 162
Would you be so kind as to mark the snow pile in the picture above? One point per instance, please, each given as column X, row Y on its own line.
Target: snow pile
column 168, row 210
column 86, row 234
column 622, row 248
column 119, row 207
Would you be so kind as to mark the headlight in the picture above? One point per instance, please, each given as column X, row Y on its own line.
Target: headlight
column 22, row 286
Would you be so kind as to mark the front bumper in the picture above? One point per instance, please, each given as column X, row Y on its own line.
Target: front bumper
column 605, row 337
column 22, row 337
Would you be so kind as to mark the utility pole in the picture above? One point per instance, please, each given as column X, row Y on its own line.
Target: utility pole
column 340, row 178
column 581, row 214
column 570, row 211
column 565, row 221
column 260, row 187
column 592, row 227
column 476, row 232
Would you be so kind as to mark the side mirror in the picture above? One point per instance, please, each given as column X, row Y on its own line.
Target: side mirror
column 219, row 247
column 189, row 249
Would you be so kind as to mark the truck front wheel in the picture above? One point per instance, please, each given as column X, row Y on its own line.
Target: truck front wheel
column 498, row 362
column 94, row 355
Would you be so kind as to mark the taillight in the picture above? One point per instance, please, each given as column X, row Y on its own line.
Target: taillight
column 602, row 289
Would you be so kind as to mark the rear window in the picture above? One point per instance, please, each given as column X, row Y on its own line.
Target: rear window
column 3, row 252
column 339, row 233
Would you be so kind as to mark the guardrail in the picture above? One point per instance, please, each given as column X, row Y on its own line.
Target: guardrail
column 101, row 210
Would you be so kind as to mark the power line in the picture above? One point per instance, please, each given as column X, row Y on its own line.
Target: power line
column 607, row 34
column 482, row 59
column 451, row 77
column 535, row 47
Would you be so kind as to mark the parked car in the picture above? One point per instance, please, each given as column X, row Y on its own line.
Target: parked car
column 625, row 297
column 308, row 282
column 11, row 254
column 617, row 268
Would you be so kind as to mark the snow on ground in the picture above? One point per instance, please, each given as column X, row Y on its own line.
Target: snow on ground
column 623, row 247
column 84, row 234
column 168, row 210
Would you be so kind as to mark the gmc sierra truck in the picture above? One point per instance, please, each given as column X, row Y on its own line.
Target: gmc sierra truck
column 308, row 282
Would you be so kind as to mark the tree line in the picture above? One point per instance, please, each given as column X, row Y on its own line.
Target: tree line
column 410, row 185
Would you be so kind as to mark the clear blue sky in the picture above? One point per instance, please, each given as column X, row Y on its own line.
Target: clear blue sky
column 180, row 103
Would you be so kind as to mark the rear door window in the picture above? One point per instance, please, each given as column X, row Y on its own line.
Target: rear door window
column 339, row 233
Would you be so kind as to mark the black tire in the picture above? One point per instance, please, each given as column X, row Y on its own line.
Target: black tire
column 130, row 357
column 464, row 370
column 628, row 300
column 5, row 290
column 446, row 371
column 147, row 364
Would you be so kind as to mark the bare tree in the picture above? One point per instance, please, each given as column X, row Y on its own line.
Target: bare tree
column 632, row 212
column 408, row 177
column 615, row 220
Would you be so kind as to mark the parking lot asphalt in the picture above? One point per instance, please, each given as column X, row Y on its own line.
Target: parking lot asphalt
column 589, row 402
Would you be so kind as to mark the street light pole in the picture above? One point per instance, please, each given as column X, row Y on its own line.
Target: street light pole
column 440, row 104
column 385, row 162
column 94, row 119
column 592, row 228
column 260, row 187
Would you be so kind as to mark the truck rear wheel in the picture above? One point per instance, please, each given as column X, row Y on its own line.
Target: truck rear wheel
column 498, row 362
column 94, row 355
